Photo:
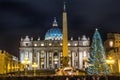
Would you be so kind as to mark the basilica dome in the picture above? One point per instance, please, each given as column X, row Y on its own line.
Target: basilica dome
column 54, row 33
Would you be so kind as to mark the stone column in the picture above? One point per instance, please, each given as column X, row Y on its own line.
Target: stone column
column 72, row 58
column 45, row 58
column 52, row 59
column 40, row 59
column 30, row 59
column 48, row 60
column 38, row 56
column 80, row 60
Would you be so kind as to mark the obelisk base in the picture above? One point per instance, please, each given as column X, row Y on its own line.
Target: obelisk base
column 65, row 61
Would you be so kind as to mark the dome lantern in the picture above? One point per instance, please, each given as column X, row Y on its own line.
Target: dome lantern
column 55, row 22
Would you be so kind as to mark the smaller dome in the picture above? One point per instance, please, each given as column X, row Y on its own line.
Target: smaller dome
column 54, row 33
column 84, row 37
column 27, row 38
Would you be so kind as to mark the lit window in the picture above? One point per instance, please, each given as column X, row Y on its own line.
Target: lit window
column 84, row 54
column 50, row 44
column 111, row 43
column 35, row 44
column 61, row 54
column 55, row 59
column 42, row 63
column 42, row 44
column 55, row 62
column 68, row 44
column 75, row 44
column 60, row 44
column 69, row 55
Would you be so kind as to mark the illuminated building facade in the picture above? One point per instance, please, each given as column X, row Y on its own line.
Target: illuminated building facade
column 47, row 53
column 112, row 48
column 8, row 63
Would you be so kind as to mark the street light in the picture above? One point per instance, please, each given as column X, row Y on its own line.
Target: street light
column 26, row 62
column 34, row 65
column 110, row 61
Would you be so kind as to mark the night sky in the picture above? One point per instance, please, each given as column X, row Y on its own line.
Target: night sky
column 19, row 18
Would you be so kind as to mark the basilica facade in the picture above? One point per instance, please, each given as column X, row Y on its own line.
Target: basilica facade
column 47, row 53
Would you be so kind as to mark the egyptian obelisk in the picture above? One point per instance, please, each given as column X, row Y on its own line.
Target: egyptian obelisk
column 65, row 58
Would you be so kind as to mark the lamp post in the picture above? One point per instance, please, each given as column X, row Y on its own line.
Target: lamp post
column 34, row 65
column 26, row 62
column 110, row 61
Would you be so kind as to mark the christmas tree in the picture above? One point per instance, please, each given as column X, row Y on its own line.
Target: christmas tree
column 97, row 58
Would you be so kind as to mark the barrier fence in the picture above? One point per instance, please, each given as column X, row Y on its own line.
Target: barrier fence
column 60, row 77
